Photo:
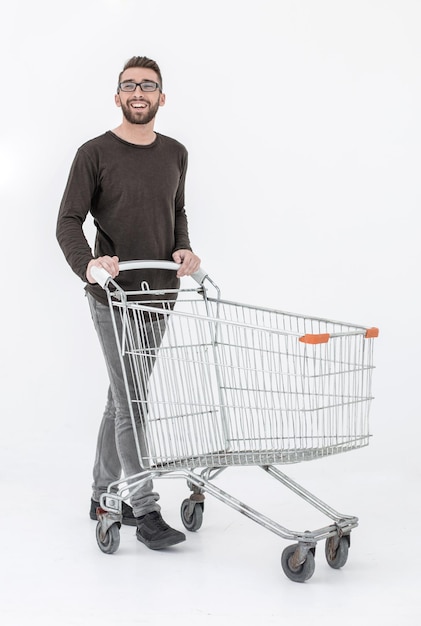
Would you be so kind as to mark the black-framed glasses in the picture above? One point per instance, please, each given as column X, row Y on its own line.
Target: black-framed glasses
column 145, row 85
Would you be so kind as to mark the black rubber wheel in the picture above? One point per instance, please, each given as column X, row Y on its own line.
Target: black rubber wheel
column 304, row 571
column 336, row 558
column 111, row 541
column 193, row 522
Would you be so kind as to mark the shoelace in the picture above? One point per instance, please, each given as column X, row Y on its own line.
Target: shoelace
column 158, row 521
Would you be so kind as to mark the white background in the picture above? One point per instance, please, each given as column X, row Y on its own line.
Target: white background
column 302, row 121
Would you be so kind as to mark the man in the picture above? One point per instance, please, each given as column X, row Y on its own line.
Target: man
column 131, row 180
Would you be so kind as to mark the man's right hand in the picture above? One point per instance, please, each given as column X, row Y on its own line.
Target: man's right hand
column 107, row 263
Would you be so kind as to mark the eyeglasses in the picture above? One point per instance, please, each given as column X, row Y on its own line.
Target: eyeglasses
column 146, row 85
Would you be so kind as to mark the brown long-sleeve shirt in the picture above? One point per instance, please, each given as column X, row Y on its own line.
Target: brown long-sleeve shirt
column 135, row 194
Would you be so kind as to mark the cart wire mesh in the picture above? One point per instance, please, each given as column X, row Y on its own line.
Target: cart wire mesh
column 219, row 383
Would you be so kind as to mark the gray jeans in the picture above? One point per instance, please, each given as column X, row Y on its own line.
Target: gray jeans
column 116, row 452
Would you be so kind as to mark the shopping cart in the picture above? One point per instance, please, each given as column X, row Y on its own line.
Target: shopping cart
column 226, row 384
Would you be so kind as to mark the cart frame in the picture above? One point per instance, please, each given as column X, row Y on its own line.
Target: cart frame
column 321, row 402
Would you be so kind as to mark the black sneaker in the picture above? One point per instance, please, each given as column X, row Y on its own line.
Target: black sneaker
column 128, row 517
column 155, row 533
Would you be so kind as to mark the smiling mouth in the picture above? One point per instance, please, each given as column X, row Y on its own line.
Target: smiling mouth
column 138, row 105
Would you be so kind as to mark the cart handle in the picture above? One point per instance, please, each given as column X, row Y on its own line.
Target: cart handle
column 102, row 276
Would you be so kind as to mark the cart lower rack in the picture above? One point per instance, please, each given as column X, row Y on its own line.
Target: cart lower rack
column 217, row 384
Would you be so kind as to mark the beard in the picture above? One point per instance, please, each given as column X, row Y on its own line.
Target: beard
column 139, row 116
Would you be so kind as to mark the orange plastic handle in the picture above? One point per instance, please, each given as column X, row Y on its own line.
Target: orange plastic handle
column 372, row 332
column 314, row 339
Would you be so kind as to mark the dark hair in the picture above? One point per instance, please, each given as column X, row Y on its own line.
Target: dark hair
column 142, row 62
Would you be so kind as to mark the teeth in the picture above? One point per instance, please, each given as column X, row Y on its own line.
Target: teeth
column 139, row 106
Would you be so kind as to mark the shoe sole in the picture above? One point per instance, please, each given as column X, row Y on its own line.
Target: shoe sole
column 160, row 544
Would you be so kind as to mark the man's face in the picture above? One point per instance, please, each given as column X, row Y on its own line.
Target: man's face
column 139, row 107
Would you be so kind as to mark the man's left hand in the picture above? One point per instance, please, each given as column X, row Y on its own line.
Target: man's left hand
column 188, row 261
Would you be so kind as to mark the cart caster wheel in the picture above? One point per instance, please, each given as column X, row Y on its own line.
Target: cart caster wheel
column 337, row 557
column 110, row 543
column 194, row 521
column 301, row 573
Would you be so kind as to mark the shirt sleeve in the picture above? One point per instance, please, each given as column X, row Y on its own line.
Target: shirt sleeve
column 75, row 205
column 181, row 231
